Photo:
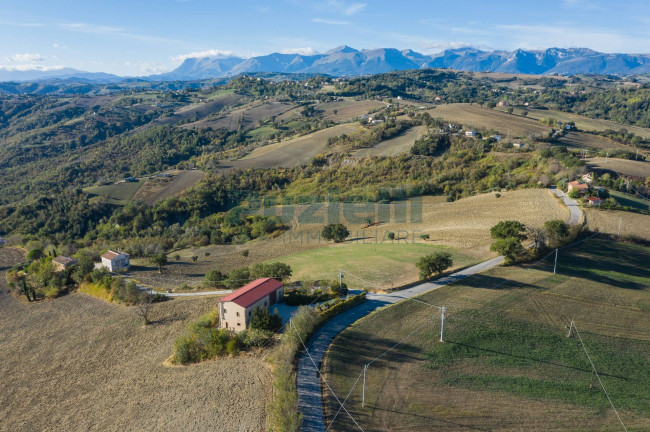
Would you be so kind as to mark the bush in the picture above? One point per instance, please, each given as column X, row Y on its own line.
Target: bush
column 233, row 346
column 254, row 337
column 336, row 232
column 434, row 264
column 263, row 319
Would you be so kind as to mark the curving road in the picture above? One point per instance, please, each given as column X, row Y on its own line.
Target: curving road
column 575, row 214
column 310, row 401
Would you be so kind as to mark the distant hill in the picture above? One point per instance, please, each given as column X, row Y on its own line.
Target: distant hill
column 9, row 75
column 344, row 61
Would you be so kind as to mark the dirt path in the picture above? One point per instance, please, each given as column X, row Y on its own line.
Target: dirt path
column 78, row 363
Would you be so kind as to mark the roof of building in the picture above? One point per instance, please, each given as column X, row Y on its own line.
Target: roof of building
column 253, row 292
column 592, row 198
column 110, row 254
column 579, row 185
column 64, row 260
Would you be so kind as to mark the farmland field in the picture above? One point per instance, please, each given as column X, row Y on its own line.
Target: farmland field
column 463, row 225
column 291, row 152
column 607, row 221
column 368, row 266
column 394, row 146
column 347, row 110
column 623, row 166
column 626, row 200
column 475, row 116
column 585, row 123
column 84, row 364
column 158, row 189
column 247, row 117
column 584, row 140
column 506, row 363
column 118, row 193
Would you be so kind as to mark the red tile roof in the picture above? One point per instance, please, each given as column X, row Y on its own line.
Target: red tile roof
column 253, row 292
column 110, row 255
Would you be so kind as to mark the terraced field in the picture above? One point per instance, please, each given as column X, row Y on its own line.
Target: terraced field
column 247, row 117
column 591, row 142
column 348, row 110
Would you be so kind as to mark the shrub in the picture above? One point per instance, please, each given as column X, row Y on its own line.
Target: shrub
column 434, row 264
column 233, row 346
column 263, row 319
column 336, row 232
column 254, row 337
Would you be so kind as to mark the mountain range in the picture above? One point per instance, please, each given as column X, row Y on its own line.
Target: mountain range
column 347, row 61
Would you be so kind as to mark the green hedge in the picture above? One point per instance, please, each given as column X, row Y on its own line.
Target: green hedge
column 343, row 306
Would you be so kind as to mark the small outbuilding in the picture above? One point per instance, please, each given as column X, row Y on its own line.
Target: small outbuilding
column 594, row 201
column 116, row 261
column 581, row 187
column 236, row 309
column 62, row 263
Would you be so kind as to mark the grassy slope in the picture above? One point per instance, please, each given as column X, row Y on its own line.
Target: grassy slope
column 370, row 266
column 119, row 193
column 607, row 221
column 507, row 364
column 630, row 200
column 394, row 146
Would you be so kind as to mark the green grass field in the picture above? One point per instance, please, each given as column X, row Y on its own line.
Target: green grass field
column 119, row 193
column 369, row 266
column 506, row 363
column 630, row 200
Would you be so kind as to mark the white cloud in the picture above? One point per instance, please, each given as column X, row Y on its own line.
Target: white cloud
column 120, row 32
column 301, row 51
column 30, row 67
column 199, row 54
column 330, row 22
column 354, row 8
column 24, row 58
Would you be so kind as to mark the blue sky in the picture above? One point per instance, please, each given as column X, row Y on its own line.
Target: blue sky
column 140, row 37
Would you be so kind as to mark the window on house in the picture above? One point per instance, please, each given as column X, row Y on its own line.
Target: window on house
column 238, row 324
column 237, row 313
column 264, row 303
column 249, row 313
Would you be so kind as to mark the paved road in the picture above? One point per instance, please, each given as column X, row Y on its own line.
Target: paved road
column 309, row 386
column 575, row 215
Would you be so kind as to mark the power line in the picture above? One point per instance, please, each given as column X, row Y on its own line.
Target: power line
column 598, row 376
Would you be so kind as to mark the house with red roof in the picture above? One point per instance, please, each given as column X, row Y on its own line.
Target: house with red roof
column 580, row 187
column 236, row 309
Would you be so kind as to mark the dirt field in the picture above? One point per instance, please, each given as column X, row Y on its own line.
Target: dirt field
column 474, row 116
column 248, row 117
column 588, row 141
column 586, row 123
column 623, row 166
column 163, row 188
column 78, row 363
column 202, row 109
column 348, row 110
column 289, row 153
column 463, row 225
column 394, row 146
column 607, row 221
column 506, row 364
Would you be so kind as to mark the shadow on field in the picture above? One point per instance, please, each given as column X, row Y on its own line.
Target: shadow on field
column 603, row 257
column 358, row 348
column 470, row 427
column 532, row 359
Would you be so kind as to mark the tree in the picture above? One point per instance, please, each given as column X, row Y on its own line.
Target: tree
column 436, row 263
column 557, row 232
column 338, row 289
column 263, row 319
column 337, row 232
column 506, row 229
column 538, row 235
column 159, row 260
column 144, row 305
column 213, row 278
column 509, row 247
column 276, row 270
column 35, row 254
column 390, row 235
column 237, row 278
column 85, row 265
column 574, row 194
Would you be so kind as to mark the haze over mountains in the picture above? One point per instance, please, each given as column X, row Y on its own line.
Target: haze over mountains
column 347, row 61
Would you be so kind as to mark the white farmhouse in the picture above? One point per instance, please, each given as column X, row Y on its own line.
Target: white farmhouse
column 116, row 261
column 236, row 309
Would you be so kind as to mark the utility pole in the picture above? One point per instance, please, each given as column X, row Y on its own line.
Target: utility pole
column 570, row 328
column 340, row 280
column 606, row 157
column 442, row 324
column 555, row 265
column 363, row 393
column 620, row 221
